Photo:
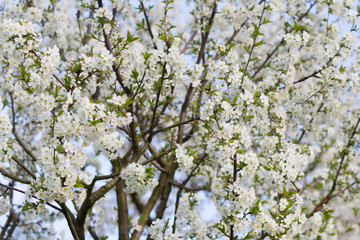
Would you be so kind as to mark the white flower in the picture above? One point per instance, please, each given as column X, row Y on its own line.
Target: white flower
column 185, row 161
column 4, row 206
column 5, row 125
column 283, row 204
column 136, row 179
column 351, row 17
column 117, row 100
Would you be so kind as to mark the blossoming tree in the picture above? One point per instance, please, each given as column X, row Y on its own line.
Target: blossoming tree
column 121, row 119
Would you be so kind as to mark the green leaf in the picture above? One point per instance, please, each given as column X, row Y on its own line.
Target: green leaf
column 79, row 185
column 342, row 69
column 93, row 123
column 146, row 55
column 60, row 112
column 285, row 191
column 28, row 205
column 298, row 27
column 266, row 168
column 134, row 74
column 259, row 43
column 131, row 38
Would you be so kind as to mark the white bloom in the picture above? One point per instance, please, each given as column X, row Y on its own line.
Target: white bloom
column 283, row 204
column 136, row 179
column 117, row 100
column 5, row 125
column 185, row 161
column 4, row 206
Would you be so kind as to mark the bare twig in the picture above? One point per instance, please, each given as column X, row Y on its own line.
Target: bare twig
column 176, row 125
column 24, row 146
column 188, row 42
column 206, row 35
column 24, row 167
column 155, row 158
column 189, row 189
column 312, row 95
column 311, row 120
column 14, row 177
column 93, row 233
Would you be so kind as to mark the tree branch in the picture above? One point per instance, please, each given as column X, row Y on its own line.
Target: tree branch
column 33, row 196
column 149, row 206
column 314, row 74
column 13, row 177
column 206, row 36
column 329, row 196
column 188, row 42
column 24, row 167
column 148, row 23
column 269, row 56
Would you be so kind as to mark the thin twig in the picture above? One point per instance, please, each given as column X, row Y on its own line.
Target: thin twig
column 158, row 156
column 269, row 56
column 175, row 125
column 24, row 167
column 93, row 233
column 23, row 145
column 330, row 195
column 206, row 36
column 254, row 39
column 311, row 120
column 312, row 95
column 188, row 42
column 148, row 23
column 314, row 74
column 33, row 196
column 189, row 189
column 182, row 187
column 14, row 177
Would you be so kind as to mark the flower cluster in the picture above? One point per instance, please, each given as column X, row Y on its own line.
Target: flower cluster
column 4, row 206
column 138, row 178
column 188, row 220
column 129, row 114
column 158, row 230
column 185, row 160
column 5, row 125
